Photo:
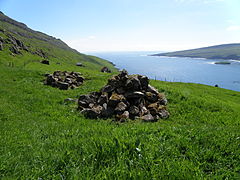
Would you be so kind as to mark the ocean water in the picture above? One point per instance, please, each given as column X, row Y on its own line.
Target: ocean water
column 174, row 69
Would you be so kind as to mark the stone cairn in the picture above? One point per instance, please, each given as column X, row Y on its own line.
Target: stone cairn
column 125, row 97
column 64, row 80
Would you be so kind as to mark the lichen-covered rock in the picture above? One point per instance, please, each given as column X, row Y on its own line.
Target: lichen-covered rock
column 125, row 96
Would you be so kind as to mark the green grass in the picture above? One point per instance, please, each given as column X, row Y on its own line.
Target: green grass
column 43, row 137
column 223, row 62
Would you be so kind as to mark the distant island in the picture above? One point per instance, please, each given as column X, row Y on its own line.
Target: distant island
column 224, row 52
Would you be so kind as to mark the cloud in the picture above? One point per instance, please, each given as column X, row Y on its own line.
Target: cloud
column 233, row 28
column 91, row 37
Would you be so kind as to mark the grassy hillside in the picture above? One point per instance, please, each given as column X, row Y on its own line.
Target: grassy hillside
column 43, row 137
column 41, row 46
column 225, row 51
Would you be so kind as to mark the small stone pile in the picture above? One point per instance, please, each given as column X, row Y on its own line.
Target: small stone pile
column 125, row 97
column 106, row 70
column 64, row 80
column 45, row 62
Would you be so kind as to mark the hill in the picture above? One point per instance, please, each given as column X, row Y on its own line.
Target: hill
column 44, row 137
column 19, row 41
column 224, row 51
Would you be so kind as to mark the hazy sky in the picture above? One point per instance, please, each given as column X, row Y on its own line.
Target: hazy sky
column 130, row 25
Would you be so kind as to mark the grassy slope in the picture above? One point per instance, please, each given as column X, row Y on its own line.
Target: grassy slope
column 43, row 137
column 226, row 51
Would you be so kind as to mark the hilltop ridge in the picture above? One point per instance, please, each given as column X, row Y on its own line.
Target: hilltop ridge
column 29, row 33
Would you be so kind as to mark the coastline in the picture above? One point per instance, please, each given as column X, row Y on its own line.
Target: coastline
column 196, row 57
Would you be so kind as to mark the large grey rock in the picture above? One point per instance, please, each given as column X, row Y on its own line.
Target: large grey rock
column 62, row 85
column 164, row 113
column 79, row 79
column 162, row 99
column 45, row 62
column 151, row 97
column 107, row 112
column 85, row 100
column 134, row 95
column 152, row 89
column 133, row 83
column 115, row 99
column 102, row 99
column 106, row 70
column 123, row 117
column 121, row 107
column 79, row 64
column 134, row 110
column 90, row 113
column 144, row 82
column 107, row 89
column 50, row 79
column 148, row 118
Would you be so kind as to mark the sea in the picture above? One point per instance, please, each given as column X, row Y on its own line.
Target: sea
column 176, row 69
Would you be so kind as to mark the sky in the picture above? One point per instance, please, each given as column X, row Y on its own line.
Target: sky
column 131, row 25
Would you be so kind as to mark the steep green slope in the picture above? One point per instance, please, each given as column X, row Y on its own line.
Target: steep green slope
column 38, row 46
column 225, row 51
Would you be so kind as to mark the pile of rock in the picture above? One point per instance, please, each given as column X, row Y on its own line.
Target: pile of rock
column 125, row 97
column 64, row 80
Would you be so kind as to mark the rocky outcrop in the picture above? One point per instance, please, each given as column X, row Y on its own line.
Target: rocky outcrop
column 64, row 80
column 17, row 44
column 15, row 50
column 125, row 97
column 106, row 70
